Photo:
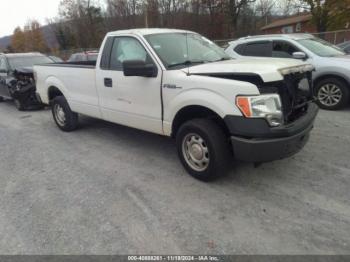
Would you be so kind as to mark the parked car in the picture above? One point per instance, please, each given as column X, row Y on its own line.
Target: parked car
column 17, row 80
column 345, row 46
column 84, row 56
column 332, row 75
column 56, row 59
column 179, row 84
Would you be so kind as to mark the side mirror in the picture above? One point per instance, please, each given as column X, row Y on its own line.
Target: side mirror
column 139, row 68
column 299, row 55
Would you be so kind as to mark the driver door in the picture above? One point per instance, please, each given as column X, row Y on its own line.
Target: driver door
column 4, row 74
column 130, row 100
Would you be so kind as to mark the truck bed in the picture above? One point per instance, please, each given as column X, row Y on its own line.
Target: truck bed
column 82, row 64
column 79, row 77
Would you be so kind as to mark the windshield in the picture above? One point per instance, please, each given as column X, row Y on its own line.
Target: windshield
column 321, row 47
column 185, row 49
column 29, row 61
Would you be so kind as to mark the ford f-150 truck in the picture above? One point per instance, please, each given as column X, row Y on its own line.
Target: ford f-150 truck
column 179, row 84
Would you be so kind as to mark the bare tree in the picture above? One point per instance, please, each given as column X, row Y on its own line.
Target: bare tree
column 234, row 8
column 264, row 9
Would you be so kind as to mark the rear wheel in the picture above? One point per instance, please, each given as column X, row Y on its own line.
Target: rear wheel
column 203, row 149
column 64, row 117
column 332, row 94
column 1, row 99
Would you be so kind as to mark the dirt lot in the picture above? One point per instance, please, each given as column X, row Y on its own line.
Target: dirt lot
column 107, row 189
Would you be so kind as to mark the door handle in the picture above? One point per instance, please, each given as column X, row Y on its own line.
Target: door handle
column 108, row 82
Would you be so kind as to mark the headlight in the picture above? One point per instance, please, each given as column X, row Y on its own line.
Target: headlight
column 264, row 106
column 297, row 69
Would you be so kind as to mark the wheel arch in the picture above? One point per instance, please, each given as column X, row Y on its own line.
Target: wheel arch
column 190, row 112
column 332, row 75
column 53, row 92
column 55, row 88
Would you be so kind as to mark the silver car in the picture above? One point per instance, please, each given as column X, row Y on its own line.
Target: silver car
column 332, row 75
column 345, row 46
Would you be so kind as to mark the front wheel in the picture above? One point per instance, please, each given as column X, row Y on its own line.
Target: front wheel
column 64, row 117
column 332, row 94
column 19, row 105
column 203, row 149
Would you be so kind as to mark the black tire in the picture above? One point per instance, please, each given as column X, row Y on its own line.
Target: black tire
column 19, row 105
column 2, row 99
column 61, row 108
column 215, row 144
column 343, row 93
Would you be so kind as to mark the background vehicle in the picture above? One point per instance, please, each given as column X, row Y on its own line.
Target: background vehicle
column 17, row 80
column 345, row 46
column 180, row 84
column 332, row 75
column 84, row 56
column 56, row 59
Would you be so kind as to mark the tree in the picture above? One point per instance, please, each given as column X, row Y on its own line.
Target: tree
column 328, row 14
column 234, row 8
column 18, row 40
column 34, row 37
column 64, row 35
column 86, row 21
column 264, row 9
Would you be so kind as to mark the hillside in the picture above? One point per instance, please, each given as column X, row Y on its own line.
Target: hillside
column 49, row 36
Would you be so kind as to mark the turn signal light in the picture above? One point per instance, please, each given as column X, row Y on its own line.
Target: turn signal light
column 244, row 105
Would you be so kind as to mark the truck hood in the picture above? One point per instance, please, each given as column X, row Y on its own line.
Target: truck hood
column 343, row 58
column 269, row 70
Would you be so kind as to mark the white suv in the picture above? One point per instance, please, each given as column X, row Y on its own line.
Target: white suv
column 332, row 75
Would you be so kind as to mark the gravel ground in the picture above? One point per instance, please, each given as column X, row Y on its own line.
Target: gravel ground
column 108, row 189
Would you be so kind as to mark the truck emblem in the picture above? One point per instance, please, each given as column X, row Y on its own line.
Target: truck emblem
column 170, row 86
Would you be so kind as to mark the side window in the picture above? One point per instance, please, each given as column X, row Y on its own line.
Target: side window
column 127, row 48
column 282, row 49
column 3, row 66
column 240, row 49
column 261, row 49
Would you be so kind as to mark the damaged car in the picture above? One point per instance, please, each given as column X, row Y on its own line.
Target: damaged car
column 17, row 79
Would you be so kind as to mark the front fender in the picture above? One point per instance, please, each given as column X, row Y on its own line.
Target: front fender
column 201, row 97
column 331, row 71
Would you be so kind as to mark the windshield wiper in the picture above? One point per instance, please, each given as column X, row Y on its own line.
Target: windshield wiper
column 186, row 63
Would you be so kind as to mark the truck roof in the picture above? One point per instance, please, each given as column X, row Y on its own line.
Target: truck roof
column 148, row 31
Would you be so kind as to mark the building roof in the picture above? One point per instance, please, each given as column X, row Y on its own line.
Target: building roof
column 288, row 21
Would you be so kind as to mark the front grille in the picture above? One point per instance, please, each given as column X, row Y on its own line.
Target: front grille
column 296, row 91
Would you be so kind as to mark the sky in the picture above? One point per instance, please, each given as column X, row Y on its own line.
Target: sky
column 17, row 12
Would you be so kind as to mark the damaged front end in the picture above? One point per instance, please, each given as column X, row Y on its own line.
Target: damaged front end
column 23, row 90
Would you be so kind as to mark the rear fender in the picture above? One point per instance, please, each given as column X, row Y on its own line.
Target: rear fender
column 55, row 82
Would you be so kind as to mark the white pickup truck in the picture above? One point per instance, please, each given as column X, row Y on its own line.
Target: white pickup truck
column 179, row 84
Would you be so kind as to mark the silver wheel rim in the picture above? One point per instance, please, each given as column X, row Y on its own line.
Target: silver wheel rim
column 59, row 115
column 196, row 152
column 329, row 95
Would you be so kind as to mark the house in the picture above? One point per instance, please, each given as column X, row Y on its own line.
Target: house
column 300, row 23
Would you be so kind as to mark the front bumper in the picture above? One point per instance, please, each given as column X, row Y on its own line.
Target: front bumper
column 265, row 144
